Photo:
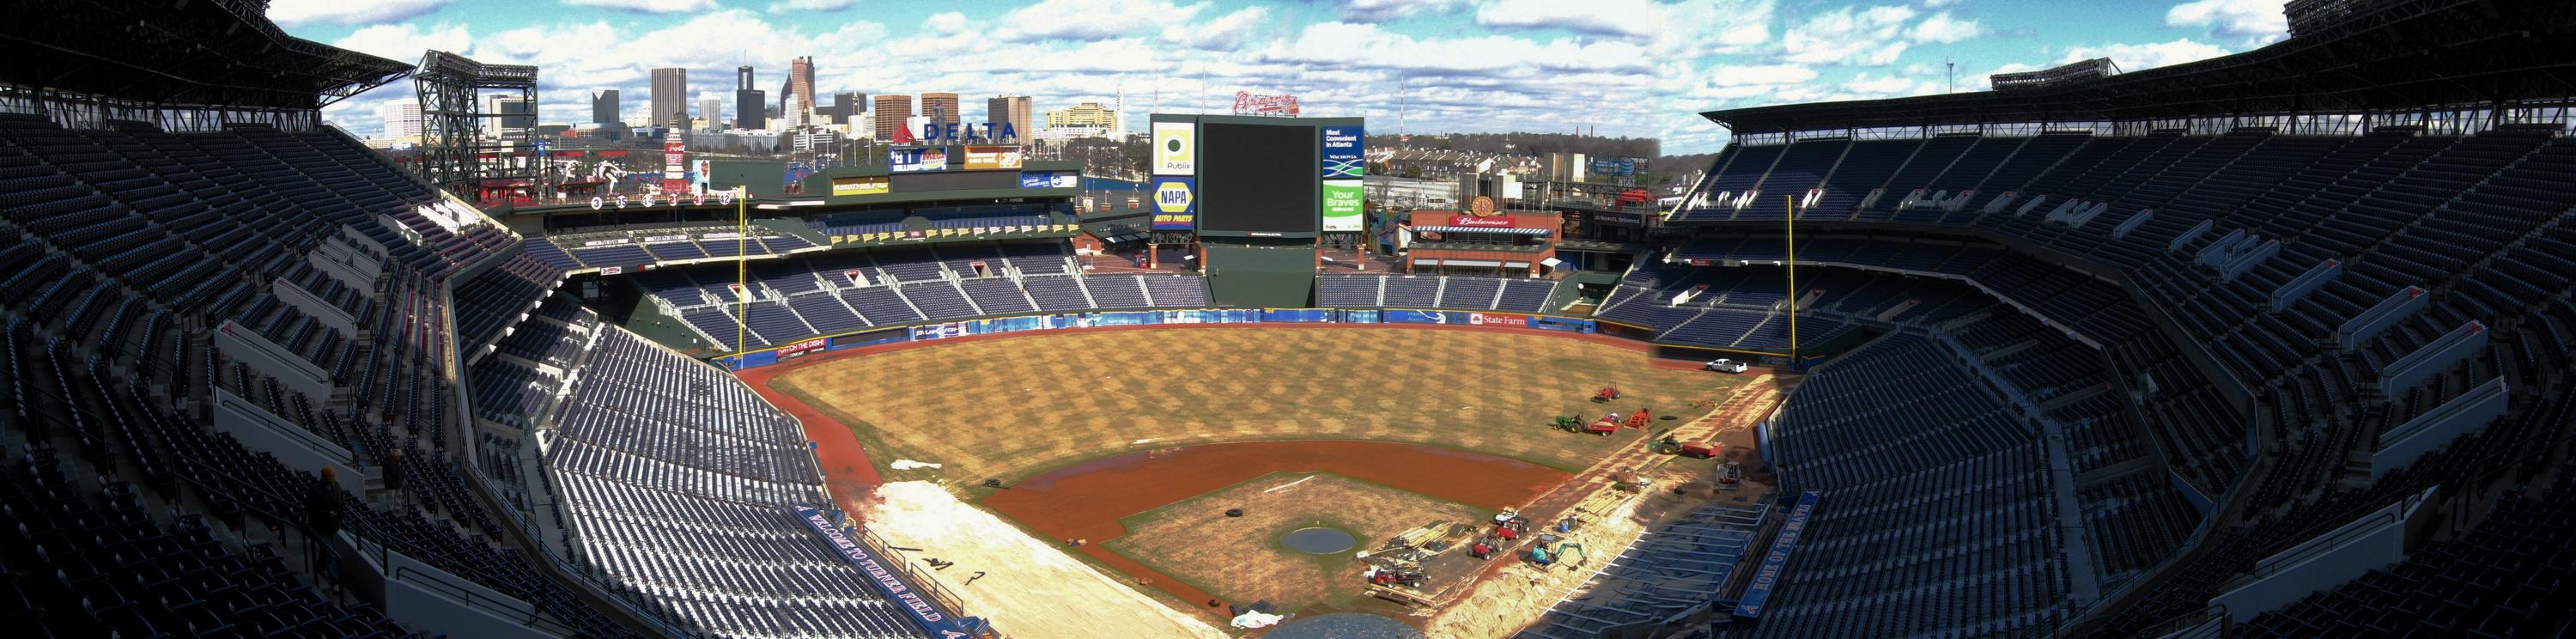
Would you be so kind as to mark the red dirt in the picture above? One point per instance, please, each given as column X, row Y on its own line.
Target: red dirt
column 1085, row 500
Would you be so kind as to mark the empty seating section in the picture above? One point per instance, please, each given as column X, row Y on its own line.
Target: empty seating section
column 1667, row 571
column 630, row 248
column 675, row 480
column 491, row 302
column 830, row 293
column 1451, row 292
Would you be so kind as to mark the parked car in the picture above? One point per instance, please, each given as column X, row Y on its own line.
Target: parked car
column 1726, row 366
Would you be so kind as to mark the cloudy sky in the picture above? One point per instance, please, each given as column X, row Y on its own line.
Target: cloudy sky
column 1627, row 67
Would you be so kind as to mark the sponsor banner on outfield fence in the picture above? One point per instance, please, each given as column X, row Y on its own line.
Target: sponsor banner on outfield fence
column 800, row 349
column 939, row 331
column 1768, row 576
column 994, row 158
column 872, row 185
column 1498, row 319
column 911, row 159
column 882, row 576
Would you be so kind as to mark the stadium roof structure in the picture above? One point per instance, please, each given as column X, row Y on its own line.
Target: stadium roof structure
column 2406, row 55
column 210, row 53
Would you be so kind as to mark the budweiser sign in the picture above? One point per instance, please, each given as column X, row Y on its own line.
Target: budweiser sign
column 1489, row 222
column 1245, row 103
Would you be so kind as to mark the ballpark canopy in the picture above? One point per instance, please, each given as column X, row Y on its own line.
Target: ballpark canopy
column 2407, row 54
column 209, row 53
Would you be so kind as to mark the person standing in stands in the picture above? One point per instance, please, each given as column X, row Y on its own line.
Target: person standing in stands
column 322, row 512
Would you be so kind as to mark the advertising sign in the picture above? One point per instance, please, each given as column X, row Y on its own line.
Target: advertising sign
column 994, row 158
column 1343, row 148
column 1768, row 576
column 913, row 159
column 799, row 349
column 675, row 162
column 1050, row 179
column 882, row 576
column 1498, row 319
column 1175, row 148
column 871, row 185
column 1175, row 204
column 1341, row 205
column 1247, row 103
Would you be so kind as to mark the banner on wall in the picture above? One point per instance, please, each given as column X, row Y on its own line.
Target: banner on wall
column 1051, row 180
column 994, row 158
column 883, row 578
column 1175, row 148
column 1342, row 205
column 1175, row 204
column 913, row 159
column 1343, row 148
column 872, row 185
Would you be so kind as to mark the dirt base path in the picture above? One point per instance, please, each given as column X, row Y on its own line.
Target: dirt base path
column 1029, row 589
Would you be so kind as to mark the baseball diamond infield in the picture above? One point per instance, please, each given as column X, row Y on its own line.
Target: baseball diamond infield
column 1100, row 434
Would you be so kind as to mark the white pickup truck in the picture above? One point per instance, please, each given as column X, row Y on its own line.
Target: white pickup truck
column 1725, row 366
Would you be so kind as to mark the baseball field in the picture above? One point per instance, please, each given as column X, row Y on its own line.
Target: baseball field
column 1135, row 442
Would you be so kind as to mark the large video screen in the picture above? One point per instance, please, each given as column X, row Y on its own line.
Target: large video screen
column 1257, row 179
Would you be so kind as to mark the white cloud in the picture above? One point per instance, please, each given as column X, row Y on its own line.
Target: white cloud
column 301, row 12
column 1695, row 28
column 2138, row 57
column 1867, row 37
column 647, row 6
column 1384, row 10
column 2248, row 22
column 1093, row 19
column 407, row 42
column 945, row 23
column 818, row 6
column 1226, row 32
column 1943, row 29
column 1622, row 18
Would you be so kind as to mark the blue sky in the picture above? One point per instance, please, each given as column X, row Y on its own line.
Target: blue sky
column 1627, row 67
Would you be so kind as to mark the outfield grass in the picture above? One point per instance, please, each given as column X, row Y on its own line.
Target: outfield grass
column 1014, row 407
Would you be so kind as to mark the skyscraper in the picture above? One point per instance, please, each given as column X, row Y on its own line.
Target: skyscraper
column 800, row 81
column 890, row 112
column 402, row 119
column 603, row 106
column 941, row 108
column 847, row 105
column 1013, row 110
column 670, row 95
column 749, row 109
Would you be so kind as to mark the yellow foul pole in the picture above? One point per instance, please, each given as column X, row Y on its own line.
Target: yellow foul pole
column 741, row 266
column 1793, row 281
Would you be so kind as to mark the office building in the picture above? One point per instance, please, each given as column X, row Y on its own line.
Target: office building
column 941, row 108
column 402, row 119
column 846, row 106
column 670, row 95
column 800, row 88
column 890, row 112
column 750, row 106
column 1012, row 110
column 1084, row 115
column 603, row 106
column 518, row 115
column 711, row 108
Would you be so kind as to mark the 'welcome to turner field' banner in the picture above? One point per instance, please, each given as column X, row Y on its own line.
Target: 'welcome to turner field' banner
column 938, row 623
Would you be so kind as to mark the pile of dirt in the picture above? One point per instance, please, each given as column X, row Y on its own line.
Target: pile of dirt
column 1029, row 589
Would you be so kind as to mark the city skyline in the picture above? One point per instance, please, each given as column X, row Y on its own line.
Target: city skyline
column 1639, row 67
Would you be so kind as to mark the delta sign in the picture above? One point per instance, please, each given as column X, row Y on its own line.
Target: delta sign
column 969, row 133
column 1175, row 204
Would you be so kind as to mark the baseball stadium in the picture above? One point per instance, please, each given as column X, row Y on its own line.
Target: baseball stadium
column 2271, row 344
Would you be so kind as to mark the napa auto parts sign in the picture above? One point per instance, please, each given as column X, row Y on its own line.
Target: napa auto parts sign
column 1246, row 103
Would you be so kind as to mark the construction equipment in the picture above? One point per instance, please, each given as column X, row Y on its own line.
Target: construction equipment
column 1638, row 420
column 1629, row 480
column 1569, row 423
column 1604, row 427
column 1702, row 450
column 1607, row 393
column 1731, row 477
